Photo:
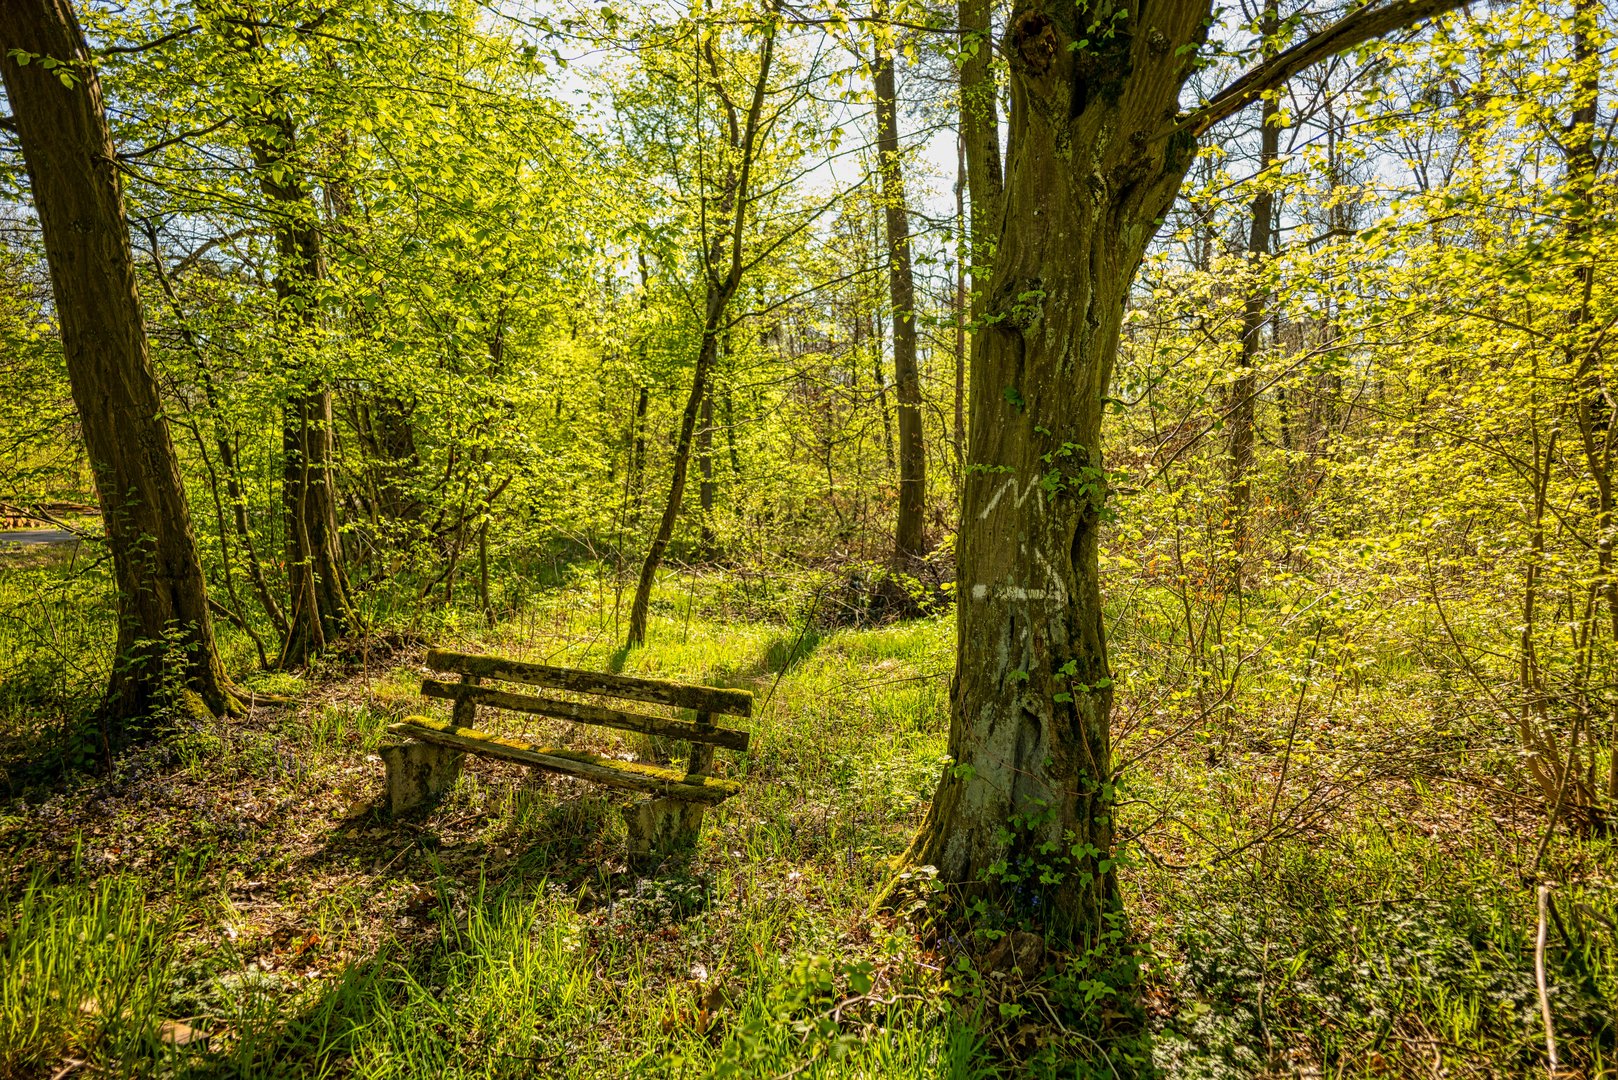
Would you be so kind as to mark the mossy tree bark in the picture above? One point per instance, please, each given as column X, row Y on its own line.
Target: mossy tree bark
column 1091, row 171
column 164, row 629
column 1098, row 148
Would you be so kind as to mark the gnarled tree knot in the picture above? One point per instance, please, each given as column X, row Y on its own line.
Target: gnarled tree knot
column 1034, row 37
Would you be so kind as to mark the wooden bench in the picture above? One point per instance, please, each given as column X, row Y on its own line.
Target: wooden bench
column 667, row 820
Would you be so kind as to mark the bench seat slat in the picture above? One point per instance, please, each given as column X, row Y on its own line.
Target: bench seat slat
column 729, row 738
column 683, row 696
column 634, row 776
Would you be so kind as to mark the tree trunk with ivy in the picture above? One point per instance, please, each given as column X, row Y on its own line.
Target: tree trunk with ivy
column 1022, row 819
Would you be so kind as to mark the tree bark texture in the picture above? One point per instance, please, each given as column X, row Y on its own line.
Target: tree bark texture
column 1093, row 163
column 164, row 627
column 1097, row 151
column 910, row 530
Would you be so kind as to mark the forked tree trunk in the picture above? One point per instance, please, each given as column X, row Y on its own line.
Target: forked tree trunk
column 1097, row 152
column 1091, row 173
column 163, row 622
column 909, row 538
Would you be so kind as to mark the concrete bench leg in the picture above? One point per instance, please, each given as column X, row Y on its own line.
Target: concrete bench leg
column 662, row 827
column 418, row 773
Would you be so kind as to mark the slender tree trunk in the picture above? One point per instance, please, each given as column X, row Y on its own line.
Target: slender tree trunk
column 723, row 254
column 880, row 377
column 640, row 610
column 227, row 452
column 319, row 609
column 909, row 533
column 1244, row 389
column 637, row 457
column 730, row 438
column 164, row 626
column 708, row 488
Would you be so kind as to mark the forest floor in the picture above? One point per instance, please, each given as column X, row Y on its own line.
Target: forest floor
column 1319, row 886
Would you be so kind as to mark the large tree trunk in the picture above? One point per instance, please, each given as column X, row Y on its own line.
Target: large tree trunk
column 1092, row 169
column 163, row 625
column 909, row 534
column 1097, row 152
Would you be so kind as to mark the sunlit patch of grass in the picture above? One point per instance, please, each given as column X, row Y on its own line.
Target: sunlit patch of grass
column 277, row 682
column 85, row 973
column 503, row 934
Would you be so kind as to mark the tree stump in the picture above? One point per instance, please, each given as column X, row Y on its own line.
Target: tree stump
column 418, row 774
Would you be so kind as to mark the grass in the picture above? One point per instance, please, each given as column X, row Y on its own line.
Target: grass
column 225, row 902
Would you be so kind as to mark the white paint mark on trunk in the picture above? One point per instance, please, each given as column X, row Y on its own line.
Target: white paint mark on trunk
column 1060, row 590
column 993, row 502
column 1016, row 592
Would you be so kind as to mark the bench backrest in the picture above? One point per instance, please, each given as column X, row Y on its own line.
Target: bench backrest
column 707, row 701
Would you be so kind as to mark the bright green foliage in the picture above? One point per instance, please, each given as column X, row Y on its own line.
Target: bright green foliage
column 1345, row 758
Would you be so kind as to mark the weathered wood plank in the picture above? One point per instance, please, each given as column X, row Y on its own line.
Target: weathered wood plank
column 466, row 708
column 631, row 775
column 701, row 761
column 461, row 693
column 680, row 695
